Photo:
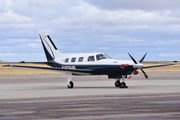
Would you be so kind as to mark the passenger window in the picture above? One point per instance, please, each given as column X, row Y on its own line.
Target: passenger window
column 80, row 59
column 67, row 59
column 91, row 58
column 73, row 59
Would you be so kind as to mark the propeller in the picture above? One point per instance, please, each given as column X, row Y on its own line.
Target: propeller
column 138, row 66
column 145, row 75
column 143, row 58
column 133, row 59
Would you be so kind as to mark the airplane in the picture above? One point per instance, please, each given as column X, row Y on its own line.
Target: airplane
column 88, row 64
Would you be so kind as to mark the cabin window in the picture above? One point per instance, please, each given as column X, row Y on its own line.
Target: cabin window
column 91, row 58
column 67, row 59
column 102, row 56
column 80, row 59
column 73, row 59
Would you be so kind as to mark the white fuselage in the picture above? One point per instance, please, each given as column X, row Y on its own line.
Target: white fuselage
column 83, row 59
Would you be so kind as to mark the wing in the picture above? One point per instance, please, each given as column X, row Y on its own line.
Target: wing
column 23, row 62
column 73, row 71
column 157, row 66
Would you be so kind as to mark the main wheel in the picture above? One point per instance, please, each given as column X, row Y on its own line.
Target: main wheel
column 117, row 83
column 71, row 84
column 122, row 85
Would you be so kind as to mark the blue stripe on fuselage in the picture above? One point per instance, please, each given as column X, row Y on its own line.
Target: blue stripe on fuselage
column 98, row 69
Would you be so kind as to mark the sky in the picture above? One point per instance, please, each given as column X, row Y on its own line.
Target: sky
column 114, row 27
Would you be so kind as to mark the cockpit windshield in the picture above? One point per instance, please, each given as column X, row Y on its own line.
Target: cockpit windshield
column 102, row 56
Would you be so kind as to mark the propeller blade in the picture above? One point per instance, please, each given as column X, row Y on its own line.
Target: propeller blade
column 130, row 77
column 133, row 59
column 146, row 76
column 132, row 74
column 143, row 58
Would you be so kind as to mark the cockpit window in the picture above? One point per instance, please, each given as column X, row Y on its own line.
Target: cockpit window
column 102, row 56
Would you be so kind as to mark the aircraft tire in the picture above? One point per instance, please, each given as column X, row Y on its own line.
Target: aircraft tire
column 117, row 83
column 122, row 85
column 71, row 85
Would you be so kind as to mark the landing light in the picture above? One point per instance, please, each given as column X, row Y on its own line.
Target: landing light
column 124, row 65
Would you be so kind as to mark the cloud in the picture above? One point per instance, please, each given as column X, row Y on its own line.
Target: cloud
column 169, row 54
column 81, row 16
column 22, row 40
column 135, row 4
column 103, row 48
column 20, row 54
column 85, row 14
column 12, row 54
column 33, row 45
column 123, row 26
column 121, row 55
column 47, row 2
column 11, row 17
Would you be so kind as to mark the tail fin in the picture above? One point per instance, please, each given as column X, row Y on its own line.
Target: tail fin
column 50, row 49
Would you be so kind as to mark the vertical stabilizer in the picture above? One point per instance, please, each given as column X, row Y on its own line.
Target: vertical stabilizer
column 50, row 49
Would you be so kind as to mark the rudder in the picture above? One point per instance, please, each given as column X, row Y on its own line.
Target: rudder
column 50, row 48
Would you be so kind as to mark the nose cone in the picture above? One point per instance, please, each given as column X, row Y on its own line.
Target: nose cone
column 138, row 66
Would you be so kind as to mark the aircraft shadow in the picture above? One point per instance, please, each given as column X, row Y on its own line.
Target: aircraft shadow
column 65, row 88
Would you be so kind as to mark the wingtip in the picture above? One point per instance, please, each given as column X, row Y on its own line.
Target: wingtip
column 7, row 65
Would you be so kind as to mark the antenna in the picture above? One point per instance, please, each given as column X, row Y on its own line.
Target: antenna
column 78, row 49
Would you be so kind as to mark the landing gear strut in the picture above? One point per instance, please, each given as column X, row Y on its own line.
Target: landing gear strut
column 70, row 84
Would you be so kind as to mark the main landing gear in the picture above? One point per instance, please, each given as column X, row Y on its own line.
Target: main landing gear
column 70, row 84
column 120, row 84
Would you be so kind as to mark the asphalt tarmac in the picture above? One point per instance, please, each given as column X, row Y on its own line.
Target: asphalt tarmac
column 44, row 97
